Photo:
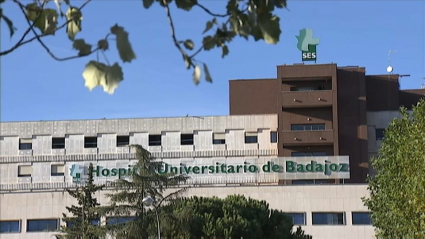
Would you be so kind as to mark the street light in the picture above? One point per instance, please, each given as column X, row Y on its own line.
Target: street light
column 149, row 202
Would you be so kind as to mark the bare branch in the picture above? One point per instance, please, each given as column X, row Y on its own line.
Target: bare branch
column 36, row 37
column 173, row 31
column 211, row 13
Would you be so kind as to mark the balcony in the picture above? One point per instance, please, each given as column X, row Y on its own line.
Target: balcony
column 298, row 99
column 293, row 138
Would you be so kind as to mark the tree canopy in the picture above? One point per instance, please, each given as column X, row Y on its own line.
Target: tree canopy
column 233, row 217
column 85, row 219
column 397, row 190
column 244, row 18
column 127, row 200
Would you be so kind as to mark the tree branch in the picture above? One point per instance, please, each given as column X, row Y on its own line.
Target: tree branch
column 173, row 32
column 211, row 13
column 36, row 37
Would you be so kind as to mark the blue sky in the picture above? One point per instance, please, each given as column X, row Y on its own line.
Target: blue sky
column 157, row 84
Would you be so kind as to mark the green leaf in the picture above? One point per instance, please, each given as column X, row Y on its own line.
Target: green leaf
column 74, row 16
column 207, row 73
column 99, row 74
column 196, row 75
column 209, row 42
column 224, row 50
column 123, row 44
column 187, row 61
column 103, row 44
column 269, row 25
column 147, row 3
column 82, row 47
column 9, row 23
column 51, row 23
column 186, row 4
column 208, row 27
column 189, row 44
column 40, row 16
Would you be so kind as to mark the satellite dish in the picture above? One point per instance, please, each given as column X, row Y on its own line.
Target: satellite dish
column 389, row 69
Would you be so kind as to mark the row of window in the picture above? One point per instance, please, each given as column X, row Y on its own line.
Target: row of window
column 154, row 140
column 331, row 218
column 46, row 225
column 318, row 218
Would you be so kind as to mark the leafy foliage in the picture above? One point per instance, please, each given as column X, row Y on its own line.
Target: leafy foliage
column 83, row 215
column 397, row 191
column 243, row 18
column 127, row 200
column 232, row 217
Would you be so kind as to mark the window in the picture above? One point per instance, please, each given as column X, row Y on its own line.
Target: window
column 58, row 143
column 219, row 138
column 25, row 144
column 57, row 170
column 123, row 140
column 10, row 226
column 308, row 154
column 297, row 218
column 301, row 182
column 119, row 220
column 90, row 142
column 95, row 222
column 328, row 218
column 273, row 137
column 24, row 171
column 186, row 139
column 251, row 138
column 307, row 127
column 306, row 88
column 155, row 140
column 42, row 225
column 379, row 134
column 361, row 218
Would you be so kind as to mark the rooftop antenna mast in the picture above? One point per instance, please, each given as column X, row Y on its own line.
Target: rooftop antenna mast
column 390, row 68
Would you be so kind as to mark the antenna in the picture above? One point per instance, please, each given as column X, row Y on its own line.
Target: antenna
column 390, row 68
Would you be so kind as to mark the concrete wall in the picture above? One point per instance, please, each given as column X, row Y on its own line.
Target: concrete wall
column 307, row 199
column 138, row 130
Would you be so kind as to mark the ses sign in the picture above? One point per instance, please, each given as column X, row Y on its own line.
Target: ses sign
column 303, row 167
column 307, row 44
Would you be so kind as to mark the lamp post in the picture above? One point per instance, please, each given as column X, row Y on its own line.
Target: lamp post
column 149, row 202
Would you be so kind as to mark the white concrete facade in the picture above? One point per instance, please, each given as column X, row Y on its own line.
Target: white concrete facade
column 33, row 178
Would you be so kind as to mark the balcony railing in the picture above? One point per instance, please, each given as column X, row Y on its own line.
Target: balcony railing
column 295, row 99
column 323, row 137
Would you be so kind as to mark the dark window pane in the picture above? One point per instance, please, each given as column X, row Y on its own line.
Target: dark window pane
column 93, row 222
column 90, row 142
column 42, row 225
column 123, row 140
column 251, row 139
column 301, row 182
column 361, row 218
column 307, row 127
column 297, row 218
column 154, row 140
column 9, row 227
column 186, row 139
column 379, row 134
column 321, row 218
column 58, row 143
column 119, row 220
column 25, row 146
column 273, row 137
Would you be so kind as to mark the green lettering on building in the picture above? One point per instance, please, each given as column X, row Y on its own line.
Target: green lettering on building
column 76, row 171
